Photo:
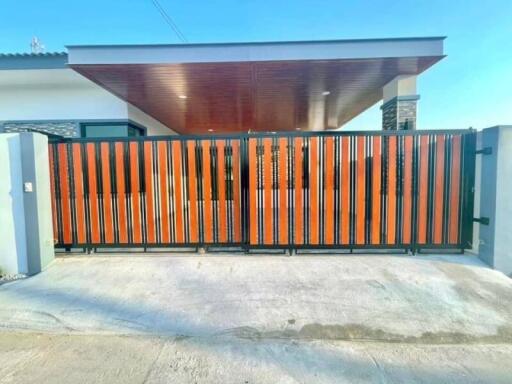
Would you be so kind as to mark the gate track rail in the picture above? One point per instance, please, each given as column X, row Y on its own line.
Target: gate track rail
column 405, row 190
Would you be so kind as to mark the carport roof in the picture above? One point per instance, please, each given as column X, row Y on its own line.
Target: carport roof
column 240, row 87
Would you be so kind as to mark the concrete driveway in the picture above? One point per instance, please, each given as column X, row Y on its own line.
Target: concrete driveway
column 389, row 316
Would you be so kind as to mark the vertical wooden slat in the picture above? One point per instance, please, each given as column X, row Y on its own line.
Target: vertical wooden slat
column 267, row 191
column 314, row 166
column 93, row 194
column 360, row 190
column 163, row 175
column 121, row 193
column 283, row 191
column 407, row 194
column 329, row 190
column 65, row 195
column 136, row 229
column 108, row 222
column 52, row 192
column 299, row 203
column 79, row 193
column 376, row 189
column 391, row 210
column 345, row 191
column 192, row 192
column 207, row 193
column 453, row 235
column 178, row 193
column 149, row 193
column 221, row 187
column 439, row 190
column 235, row 146
column 423, row 190
column 253, row 185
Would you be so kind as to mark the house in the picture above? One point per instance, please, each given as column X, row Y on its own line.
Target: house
column 133, row 90
column 297, row 182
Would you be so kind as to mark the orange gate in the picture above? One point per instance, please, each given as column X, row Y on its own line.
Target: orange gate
column 146, row 193
column 406, row 189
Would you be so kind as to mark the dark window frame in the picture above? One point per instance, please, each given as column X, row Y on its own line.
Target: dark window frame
column 129, row 123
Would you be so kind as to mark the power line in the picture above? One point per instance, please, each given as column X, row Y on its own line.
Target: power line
column 169, row 21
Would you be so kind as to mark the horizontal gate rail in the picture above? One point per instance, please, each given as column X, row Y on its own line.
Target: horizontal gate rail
column 309, row 190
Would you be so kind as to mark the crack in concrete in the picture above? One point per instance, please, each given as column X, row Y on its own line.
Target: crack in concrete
column 354, row 332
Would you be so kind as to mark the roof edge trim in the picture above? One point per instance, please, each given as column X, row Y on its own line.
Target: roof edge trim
column 238, row 43
column 247, row 52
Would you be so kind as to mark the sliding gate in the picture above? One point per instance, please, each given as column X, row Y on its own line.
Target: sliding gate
column 391, row 190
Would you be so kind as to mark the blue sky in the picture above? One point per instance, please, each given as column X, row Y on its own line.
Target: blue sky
column 471, row 87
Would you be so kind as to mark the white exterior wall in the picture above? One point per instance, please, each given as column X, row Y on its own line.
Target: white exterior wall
column 62, row 94
column 154, row 127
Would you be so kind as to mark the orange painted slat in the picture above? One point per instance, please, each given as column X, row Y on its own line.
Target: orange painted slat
column 407, row 194
column 148, row 181
column 454, row 191
column 253, row 191
column 93, row 193
column 108, row 221
column 439, row 190
column 360, row 190
column 329, row 190
column 391, row 211
column 267, row 191
column 121, row 193
column 345, row 190
column 299, row 202
column 51, row 149
column 65, row 196
column 235, row 146
column 314, row 166
column 163, row 176
column 423, row 190
column 79, row 193
column 207, row 193
column 221, row 188
column 283, row 191
column 192, row 192
column 178, row 194
column 135, row 193
column 376, row 188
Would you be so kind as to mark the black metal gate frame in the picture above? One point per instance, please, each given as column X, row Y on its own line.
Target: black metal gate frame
column 466, row 188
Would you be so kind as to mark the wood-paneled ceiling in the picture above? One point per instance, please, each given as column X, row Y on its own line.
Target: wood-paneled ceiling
column 252, row 95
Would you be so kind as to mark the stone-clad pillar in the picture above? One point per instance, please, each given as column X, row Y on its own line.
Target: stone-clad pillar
column 400, row 102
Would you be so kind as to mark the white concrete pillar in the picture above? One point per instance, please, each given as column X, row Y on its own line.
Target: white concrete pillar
column 26, row 233
column 495, row 239
column 400, row 103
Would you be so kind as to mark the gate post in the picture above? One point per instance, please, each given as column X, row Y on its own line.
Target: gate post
column 26, row 236
column 495, row 235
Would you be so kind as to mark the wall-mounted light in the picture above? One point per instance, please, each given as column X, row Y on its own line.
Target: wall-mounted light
column 210, row 130
column 182, row 96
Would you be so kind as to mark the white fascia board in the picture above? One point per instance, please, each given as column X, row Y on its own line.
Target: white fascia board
column 251, row 52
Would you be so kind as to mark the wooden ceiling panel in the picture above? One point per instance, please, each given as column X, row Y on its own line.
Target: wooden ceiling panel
column 257, row 96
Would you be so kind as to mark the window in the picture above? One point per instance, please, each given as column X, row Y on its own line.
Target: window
column 111, row 129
